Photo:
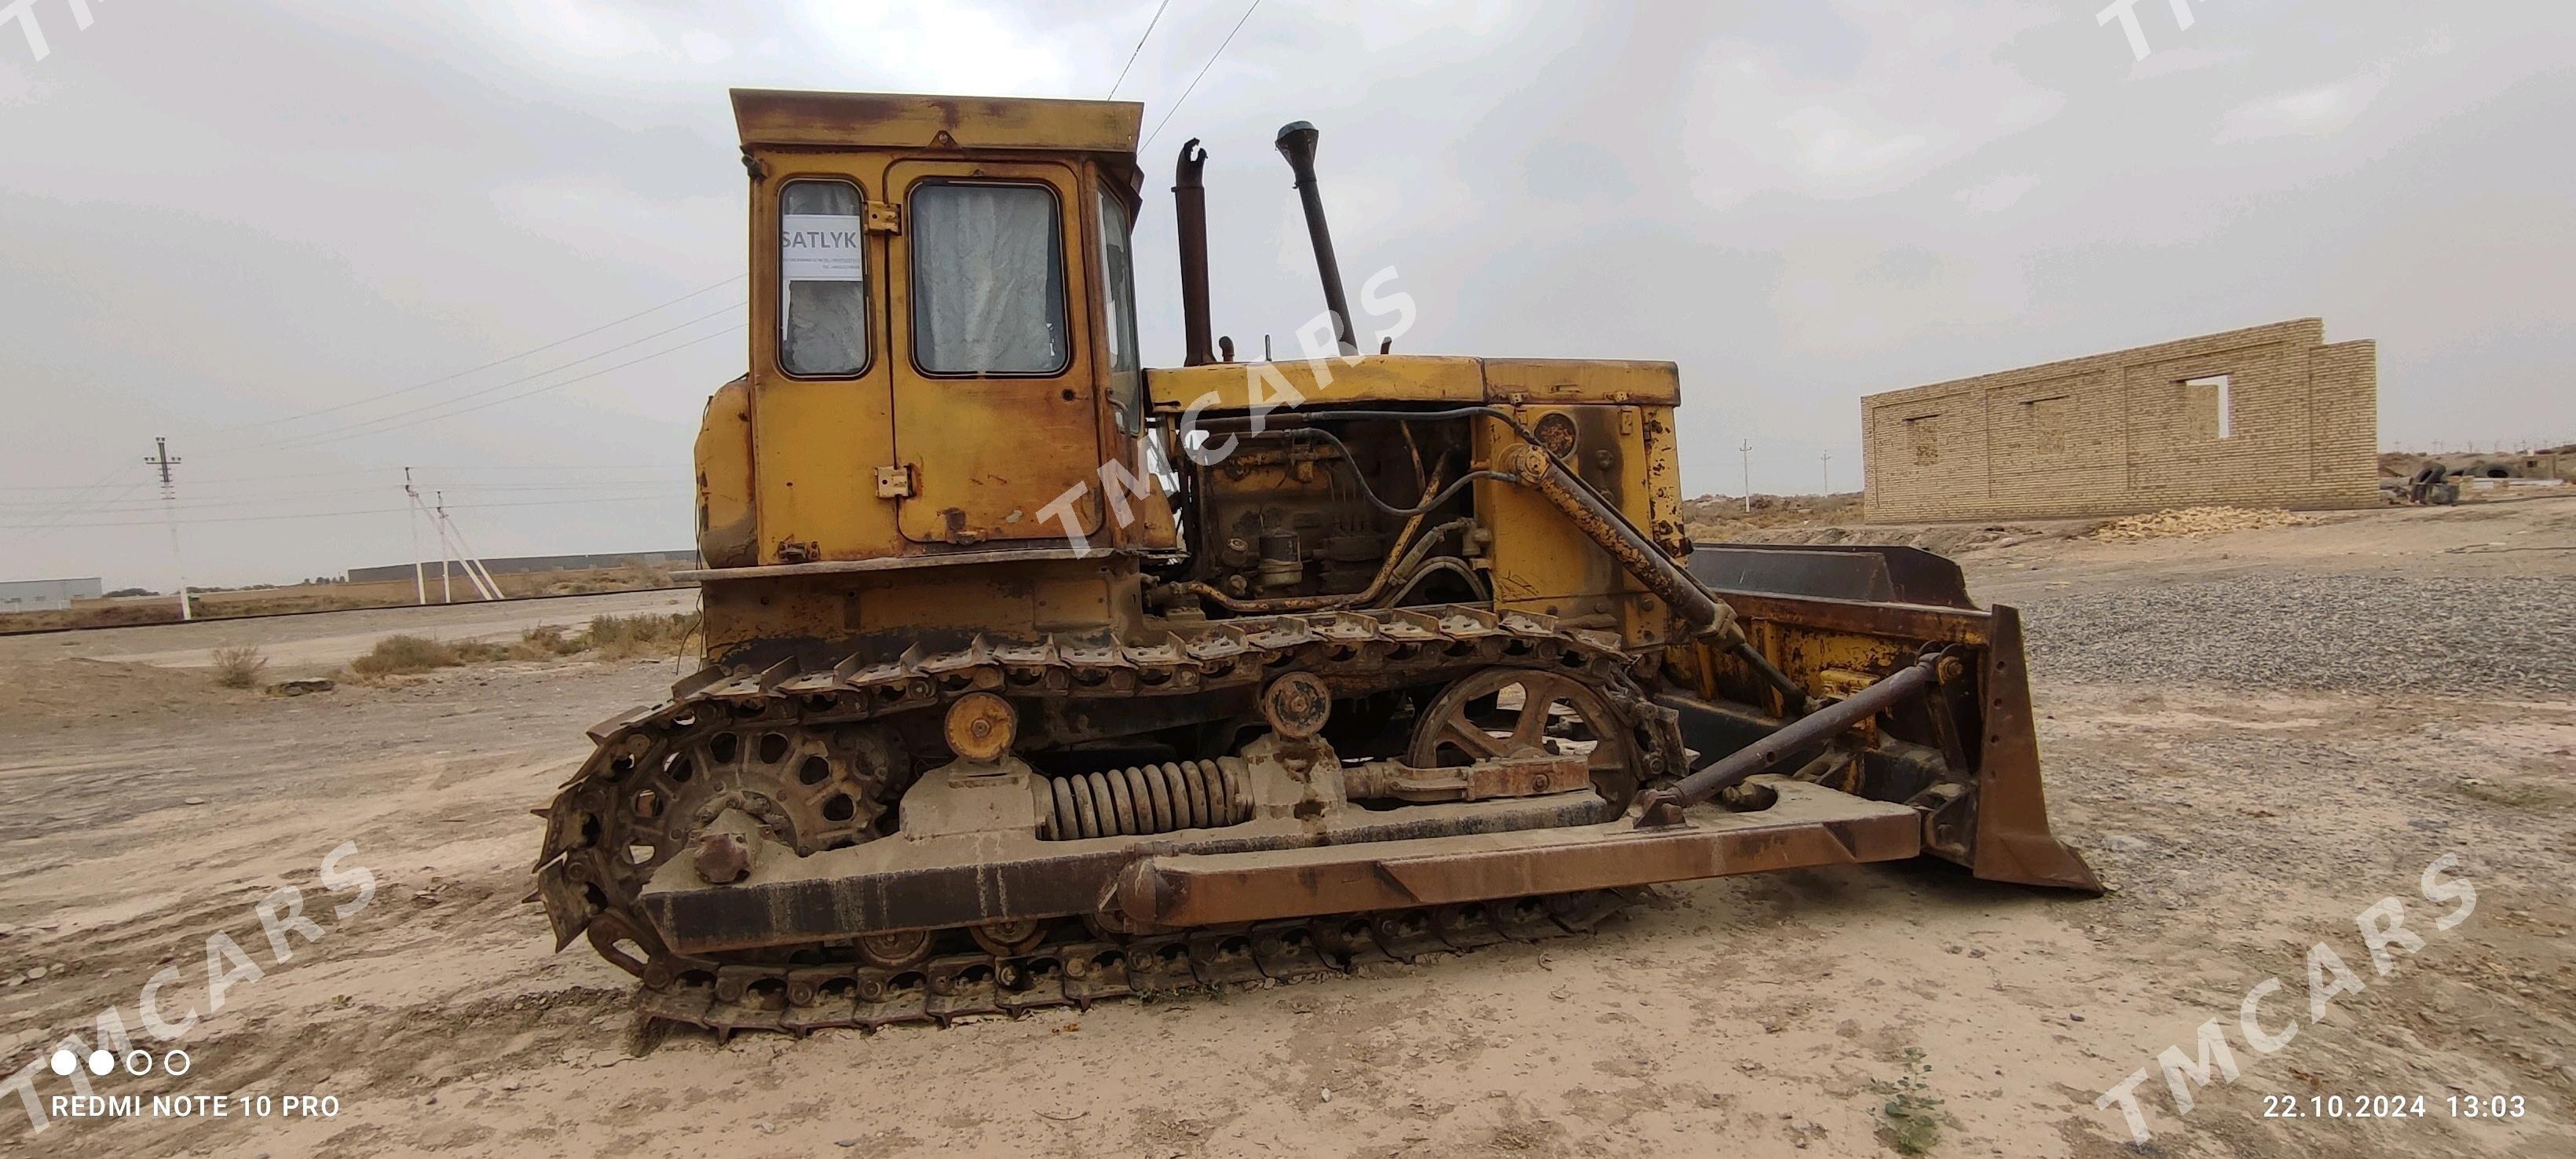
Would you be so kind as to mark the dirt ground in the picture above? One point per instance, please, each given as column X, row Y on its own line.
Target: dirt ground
column 296, row 598
column 313, row 644
column 2239, row 825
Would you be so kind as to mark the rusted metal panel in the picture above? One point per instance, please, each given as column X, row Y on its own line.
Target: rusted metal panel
column 1563, row 380
column 1914, row 622
column 1030, row 554
column 728, row 533
column 1663, row 806
column 910, row 121
column 902, row 885
column 989, row 453
column 1529, row 776
column 1901, row 575
column 1233, row 386
column 2013, row 841
column 1593, row 516
column 1809, row 826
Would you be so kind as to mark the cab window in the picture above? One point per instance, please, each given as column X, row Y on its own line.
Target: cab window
column 988, row 291
column 823, row 290
column 1118, row 265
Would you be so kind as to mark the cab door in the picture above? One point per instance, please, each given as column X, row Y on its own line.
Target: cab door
column 822, row 416
column 994, row 396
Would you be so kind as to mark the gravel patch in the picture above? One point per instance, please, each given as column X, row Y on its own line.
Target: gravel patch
column 2316, row 632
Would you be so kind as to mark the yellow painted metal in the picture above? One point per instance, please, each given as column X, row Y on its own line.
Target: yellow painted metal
column 818, row 441
column 989, row 453
column 727, row 532
column 1373, row 378
column 1017, row 599
column 913, row 122
column 1547, row 380
column 985, row 455
column 1414, row 378
column 826, row 463
column 1541, row 562
column 1157, row 528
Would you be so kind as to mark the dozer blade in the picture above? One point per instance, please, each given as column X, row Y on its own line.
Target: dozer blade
column 1821, row 608
column 2013, row 840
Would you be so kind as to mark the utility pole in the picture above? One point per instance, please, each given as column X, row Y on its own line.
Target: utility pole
column 169, row 515
column 446, row 586
column 1828, row 460
column 1747, row 448
column 475, row 573
column 411, row 518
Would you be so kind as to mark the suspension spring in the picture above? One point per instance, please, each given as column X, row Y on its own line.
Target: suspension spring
column 1142, row 799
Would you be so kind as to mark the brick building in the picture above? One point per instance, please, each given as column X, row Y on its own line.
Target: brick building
column 2270, row 416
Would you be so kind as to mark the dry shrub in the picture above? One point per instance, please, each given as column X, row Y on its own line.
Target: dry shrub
column 621, row 637
column 544, row 642
column 404, row 655
column 609, row 637
column 479, row 651
column 240, row 667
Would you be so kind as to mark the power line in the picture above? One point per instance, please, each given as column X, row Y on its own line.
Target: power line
column 313, row 438
column 1140, row 49
column 489, row 365
column 354, row 431
column 1194, row 81
column 80, row 503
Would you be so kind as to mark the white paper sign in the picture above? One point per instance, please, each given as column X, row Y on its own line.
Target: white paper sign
column 822, row 247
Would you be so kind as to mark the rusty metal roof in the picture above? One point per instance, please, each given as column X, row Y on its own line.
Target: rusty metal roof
column 913, row 121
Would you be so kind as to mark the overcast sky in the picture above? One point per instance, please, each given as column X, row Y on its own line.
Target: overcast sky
column 238, row 225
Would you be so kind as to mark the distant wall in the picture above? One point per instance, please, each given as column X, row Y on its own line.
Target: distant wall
column 2270, row 416
column 2512, row 464
column 528, row 563
column 51, row 595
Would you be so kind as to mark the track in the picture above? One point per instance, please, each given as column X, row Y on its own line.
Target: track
column 1092, row 965
column 732, row 738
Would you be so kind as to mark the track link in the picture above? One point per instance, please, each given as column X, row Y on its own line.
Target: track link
column 1077, row 973
column 587, row 882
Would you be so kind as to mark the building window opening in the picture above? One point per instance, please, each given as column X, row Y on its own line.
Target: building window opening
column 2220, row 390
column 1924, row 438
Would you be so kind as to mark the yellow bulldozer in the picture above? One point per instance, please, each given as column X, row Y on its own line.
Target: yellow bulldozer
column 1033, row 676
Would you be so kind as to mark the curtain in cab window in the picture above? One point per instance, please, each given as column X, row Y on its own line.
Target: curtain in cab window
column 987, row 280
column 824, row 328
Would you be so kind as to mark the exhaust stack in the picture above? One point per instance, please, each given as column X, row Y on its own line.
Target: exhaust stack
column 1189, row 210
column 1297, row 144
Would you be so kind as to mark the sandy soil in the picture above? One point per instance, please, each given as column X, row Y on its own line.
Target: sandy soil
column 1757, row 1016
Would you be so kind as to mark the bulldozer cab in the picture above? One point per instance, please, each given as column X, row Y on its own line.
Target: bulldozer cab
column 944, row 314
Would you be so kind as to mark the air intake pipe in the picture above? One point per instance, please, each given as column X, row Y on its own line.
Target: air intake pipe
column 1297, row 144
column 1189, row 211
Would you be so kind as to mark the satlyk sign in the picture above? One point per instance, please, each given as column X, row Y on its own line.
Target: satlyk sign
column 821, row 247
